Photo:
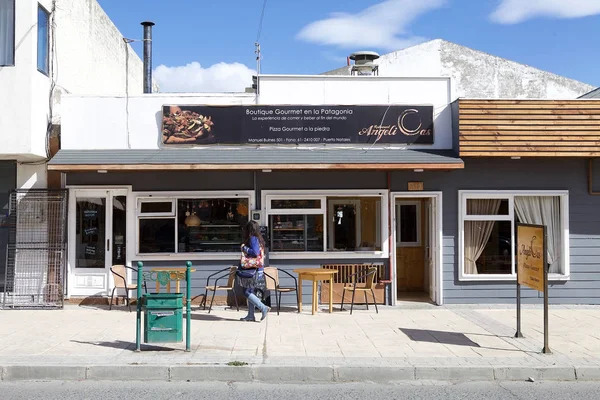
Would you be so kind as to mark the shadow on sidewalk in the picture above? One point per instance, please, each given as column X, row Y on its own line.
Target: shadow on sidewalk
column 453, row 338
column 120, row 344
column 450, row 338
column 211, row 317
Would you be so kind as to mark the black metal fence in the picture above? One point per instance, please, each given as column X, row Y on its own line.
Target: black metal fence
column 36, row 251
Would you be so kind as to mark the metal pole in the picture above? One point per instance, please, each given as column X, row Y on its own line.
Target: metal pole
column 138, row 325
column 518, row 334
column 546, row 349
column 147, row 56
column 188, row 304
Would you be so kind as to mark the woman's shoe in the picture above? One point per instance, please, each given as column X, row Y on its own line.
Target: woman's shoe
column 264, row 313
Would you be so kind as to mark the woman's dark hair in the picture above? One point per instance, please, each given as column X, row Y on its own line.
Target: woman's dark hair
column 253, row 229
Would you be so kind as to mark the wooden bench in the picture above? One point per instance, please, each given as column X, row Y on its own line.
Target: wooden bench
column 344, row 273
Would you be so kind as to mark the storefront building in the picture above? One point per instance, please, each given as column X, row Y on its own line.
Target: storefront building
column 340, row 170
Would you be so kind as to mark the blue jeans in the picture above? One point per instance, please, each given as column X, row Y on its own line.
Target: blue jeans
column 253, row 301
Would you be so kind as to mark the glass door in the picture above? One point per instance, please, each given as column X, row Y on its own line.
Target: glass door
column 97, row 239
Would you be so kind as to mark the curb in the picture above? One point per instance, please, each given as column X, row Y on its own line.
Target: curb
column 287, row 374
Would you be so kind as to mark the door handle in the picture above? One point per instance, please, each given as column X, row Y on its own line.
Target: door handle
column 108, row 244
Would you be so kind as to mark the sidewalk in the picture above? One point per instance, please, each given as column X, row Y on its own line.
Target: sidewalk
column 403, row 343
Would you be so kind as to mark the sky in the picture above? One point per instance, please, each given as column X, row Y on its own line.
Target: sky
column 201, row 45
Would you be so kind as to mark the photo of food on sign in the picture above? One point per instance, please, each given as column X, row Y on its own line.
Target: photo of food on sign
column 186, row 126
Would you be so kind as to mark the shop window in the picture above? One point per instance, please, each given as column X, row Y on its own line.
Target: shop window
column 293, row 204
column 191, row 225
column 7, row 32
column 211, row 225
column 157, row 235
column 326, row 223
column 156, row 207
column 489, row 229
column 354, row 224
column 296, row 232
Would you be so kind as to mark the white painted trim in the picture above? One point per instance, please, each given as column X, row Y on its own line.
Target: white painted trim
column 326, row 255
column 178, row 195
column 383, row 194
column 398, row 204
column 510, row 195
column 437, row 197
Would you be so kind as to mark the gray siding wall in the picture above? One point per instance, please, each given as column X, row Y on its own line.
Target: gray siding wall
column 8, row 182
column 479, row 174
column 524, row 174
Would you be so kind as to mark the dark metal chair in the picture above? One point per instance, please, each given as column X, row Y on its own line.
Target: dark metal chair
column 119, row 273
column 228, row 273
column 272, row 273
column 369, row 279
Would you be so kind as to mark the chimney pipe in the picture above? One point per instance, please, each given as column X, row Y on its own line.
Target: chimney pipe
column 147, row 56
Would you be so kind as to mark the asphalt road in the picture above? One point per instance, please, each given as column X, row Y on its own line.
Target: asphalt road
column 218, row 390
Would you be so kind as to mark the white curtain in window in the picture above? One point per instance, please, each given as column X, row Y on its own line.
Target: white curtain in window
column 7, row 32
column 477, row 233
column 543, row 210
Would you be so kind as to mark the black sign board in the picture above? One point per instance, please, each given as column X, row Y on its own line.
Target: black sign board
column 297, row 124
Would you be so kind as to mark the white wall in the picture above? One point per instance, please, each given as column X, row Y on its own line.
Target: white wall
column 16, row 85
column 31, row 176
column 475, row 74
column 91, row 53
column 90, row 122
column 366, row 90
column 102, row 122
column 89, row 58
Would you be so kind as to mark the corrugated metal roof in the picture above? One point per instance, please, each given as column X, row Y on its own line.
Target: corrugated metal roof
column 253, row 156
column 594, row 94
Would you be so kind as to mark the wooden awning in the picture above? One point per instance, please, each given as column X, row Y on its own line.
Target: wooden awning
column 529, row 128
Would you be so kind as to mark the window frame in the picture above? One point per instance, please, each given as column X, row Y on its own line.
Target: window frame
column 464, row 195
column 323, row 195
column 159, row 197
column 141, row 200
column 417, row 203
column 47, row 61
column 14, row 36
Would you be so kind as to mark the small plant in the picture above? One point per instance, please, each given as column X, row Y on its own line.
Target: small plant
column 237, row 363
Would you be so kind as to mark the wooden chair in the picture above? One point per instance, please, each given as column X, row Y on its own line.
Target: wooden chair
column 228, row 273
column 272, row 281
column 368, row 286
column 119, row 273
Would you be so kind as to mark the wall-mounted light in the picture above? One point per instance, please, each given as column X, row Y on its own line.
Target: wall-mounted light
column 515, row 158
column 102, row 171
column 266, row 170
column 419, row 170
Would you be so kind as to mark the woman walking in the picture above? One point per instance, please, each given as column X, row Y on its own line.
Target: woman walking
column 250, row 274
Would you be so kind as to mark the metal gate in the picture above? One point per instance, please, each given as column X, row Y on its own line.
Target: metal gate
column 36, row 250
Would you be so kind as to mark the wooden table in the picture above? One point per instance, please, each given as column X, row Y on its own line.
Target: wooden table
column 179, row 273
column 315, row 275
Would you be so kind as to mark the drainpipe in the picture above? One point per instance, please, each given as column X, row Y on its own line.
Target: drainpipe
column 147, row 56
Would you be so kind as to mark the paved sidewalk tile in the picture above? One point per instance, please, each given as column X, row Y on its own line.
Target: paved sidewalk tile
column 400, row 337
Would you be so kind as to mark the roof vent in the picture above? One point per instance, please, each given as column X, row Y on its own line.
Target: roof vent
column 364, row 63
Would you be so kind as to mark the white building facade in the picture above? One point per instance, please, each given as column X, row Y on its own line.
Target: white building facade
column 49, row 48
